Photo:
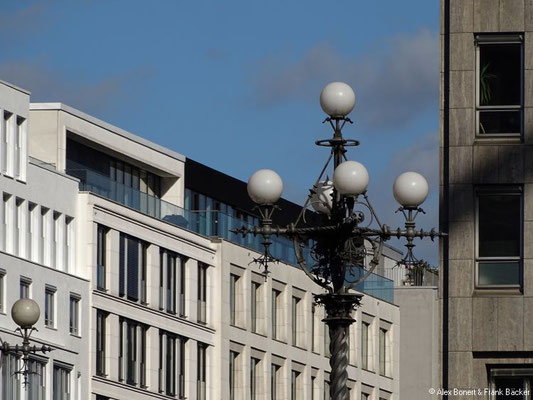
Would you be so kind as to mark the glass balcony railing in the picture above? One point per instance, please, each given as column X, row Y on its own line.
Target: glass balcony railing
column 213, row 223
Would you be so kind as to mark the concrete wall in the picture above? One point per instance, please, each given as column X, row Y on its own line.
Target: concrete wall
column 484, row 327
column 419, row 340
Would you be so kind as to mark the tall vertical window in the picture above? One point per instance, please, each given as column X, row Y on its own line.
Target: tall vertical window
column 233, row 298
column 101, row 343
column 172, row 282
column 499, row 237
column 18, row 143
column 202, row 292
column 7, row 221
column 2, row 289
column 132, row 352
column 275, row 382
column 74, row 314
column 383, row 350
column 326, row 390
column 68, row 244
column 313, row 328
column 55, row 243
column 232, row 374
column 171, row 364
column 18, row 227
column 513, row 383
column 295, row 383
column 253, row 306
column 61, row 384
column 254, row 362
column 274, row 318
column 364, row 345
column 25, row 284
column 499, row 84
column 31, row 232
column 10, row 379
column 101, row 251
column 44, row 237
column 49, row 307
column 36, row 380
column 6, row 127
column 295, row 327
column 132, row 268
column 202, row 371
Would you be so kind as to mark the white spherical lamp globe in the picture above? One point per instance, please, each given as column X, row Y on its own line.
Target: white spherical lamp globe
column 410, row 189
column 25, row 313
column 265, row 187
column 337, row 99
column 321, row 199
column 350, row 178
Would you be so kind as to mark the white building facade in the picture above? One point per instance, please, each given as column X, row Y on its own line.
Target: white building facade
column 166, row 309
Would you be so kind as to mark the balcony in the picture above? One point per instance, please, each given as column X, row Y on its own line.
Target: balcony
column 214, row 223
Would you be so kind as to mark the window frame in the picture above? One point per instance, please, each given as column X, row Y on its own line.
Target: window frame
column 511, row 190
column 501, row 38
column 50, row 306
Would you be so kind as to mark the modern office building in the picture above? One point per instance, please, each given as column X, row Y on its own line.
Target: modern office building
column 145, row 292
column 486, row 196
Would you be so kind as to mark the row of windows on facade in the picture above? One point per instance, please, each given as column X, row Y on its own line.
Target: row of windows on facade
column 13, row 138
column 37, row 233
column 38, row 380
column 133, row 273
column 298, row 327
column 132, row 360
column 277, row 389
column 50, row 302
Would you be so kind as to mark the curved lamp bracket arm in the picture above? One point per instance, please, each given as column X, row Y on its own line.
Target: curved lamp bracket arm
column 303, row 264
column 377, row 248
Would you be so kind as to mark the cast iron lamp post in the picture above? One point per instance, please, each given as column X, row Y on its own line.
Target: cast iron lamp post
column 25, row 313
column 340, row 240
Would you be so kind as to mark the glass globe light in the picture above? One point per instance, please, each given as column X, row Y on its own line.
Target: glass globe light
column 337, row 99
column 410, row 189
column 350, row 178
column 25, row 313
column 265, row 187
column 321, row 199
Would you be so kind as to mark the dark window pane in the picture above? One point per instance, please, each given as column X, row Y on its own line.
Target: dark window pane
column 500, row 121
column 499, row 273
column 133, row 269
column 500, row 74
column 512, row 388
column 499, row 225
column 122, row 266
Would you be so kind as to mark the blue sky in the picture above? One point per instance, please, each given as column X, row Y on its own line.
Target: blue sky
column 235, row 84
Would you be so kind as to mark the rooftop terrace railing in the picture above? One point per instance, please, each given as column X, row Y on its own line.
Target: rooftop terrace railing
column 213, row 223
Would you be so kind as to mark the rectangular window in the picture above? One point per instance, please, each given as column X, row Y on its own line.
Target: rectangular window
column 10, row 379
column 383, row 348
column 18, row 142
column 44, row 253
column 364, row 345
column 101, row 343
column 254, row 297
column 25, row 284
column 168, row 364
column 233, row 299
column 68, row 245
column 202, row 371
column 295, row 375
column 500, row 71
column 275, row 381
column 232, row 373
column 132, row 352
column 172, row 282
column 499, row 237
column 36, row 380
column 132, row 268
column 6, row 127
column 74, row 314
column 202, row 292
column 254, row 362
column 61, row 384
column 49, row 307
column 295, row 327
column 512, row 383
column 55, row 243
column 2, row 289
column 274, row 306
column 6, row 223
column 18, row 227
column 326, row 390
column 101, row 252
column 31, row 232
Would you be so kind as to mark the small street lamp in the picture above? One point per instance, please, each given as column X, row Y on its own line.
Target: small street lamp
column 25, row 313
column 346, row 232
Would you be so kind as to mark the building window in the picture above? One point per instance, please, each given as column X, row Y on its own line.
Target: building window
column 499, row 84
column 101, row 253
column 68, row 245
column 365, row 347
column 232, row 374
column 326, row 390
column 172, row 282
column 132, row 352
column 499, row 237
column 49, row 307
column 18, row 227
column 295, row 385
column 171, row 364
column 202, row 292
column 61, row 384
column 254, row 303
column 132, row 268
column 44, row 237
column 10, row 379
column 274, row 305
column 100, row 342
column 7, row 213
column 296, row 323
column 31, row 233
column 25, row 284
column 233, row 292
column 74, row 314
column 511, row 383
column 2, row 290
column 55, row 243
column 254, row 362
column 6, row 128
column 383, row 352
column 275, row 382
column 36, row 380
column 202, row 371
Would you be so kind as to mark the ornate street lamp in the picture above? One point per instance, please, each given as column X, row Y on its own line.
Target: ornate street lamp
column 25, row 313
column 346, row 233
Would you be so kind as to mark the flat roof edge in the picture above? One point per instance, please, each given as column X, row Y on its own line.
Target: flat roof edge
column 112, row 128
column 15, row 87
